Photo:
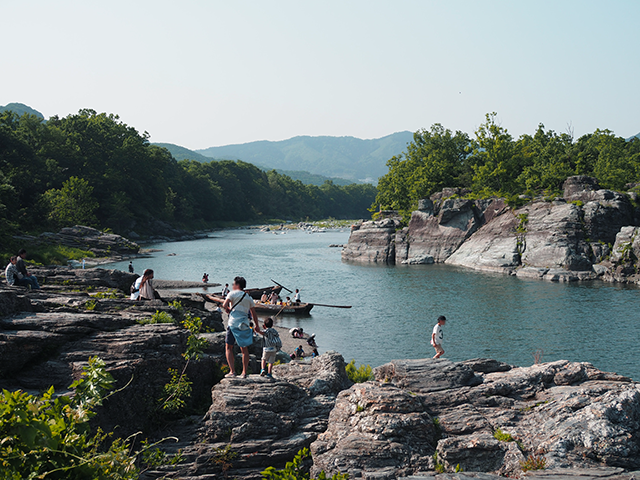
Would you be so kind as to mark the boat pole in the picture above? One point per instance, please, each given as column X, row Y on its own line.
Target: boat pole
column 290, row 291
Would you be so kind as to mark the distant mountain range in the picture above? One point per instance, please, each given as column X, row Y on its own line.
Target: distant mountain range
column 182, row 153
column 345, row 157
column 636, row 136
column 20, row 109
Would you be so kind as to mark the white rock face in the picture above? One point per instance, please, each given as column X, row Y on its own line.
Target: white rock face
column 495, row 247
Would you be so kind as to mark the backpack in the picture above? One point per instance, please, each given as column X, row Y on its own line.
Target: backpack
column 133, row 288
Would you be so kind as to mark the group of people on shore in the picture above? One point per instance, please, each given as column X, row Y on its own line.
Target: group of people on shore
column 17, row 274
column 240, row 308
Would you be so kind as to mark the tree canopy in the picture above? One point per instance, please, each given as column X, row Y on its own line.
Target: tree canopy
column 92, row 168
column 494, row 163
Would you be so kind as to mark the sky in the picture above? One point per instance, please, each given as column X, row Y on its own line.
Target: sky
column 209, row 73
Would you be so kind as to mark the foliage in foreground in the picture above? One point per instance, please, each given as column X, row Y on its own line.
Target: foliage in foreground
column 295, row 470
column 360, row 374
column 48, row 436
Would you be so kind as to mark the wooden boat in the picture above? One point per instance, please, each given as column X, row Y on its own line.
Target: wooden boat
column 293, row 309
column 301, row 309
column 256, row 293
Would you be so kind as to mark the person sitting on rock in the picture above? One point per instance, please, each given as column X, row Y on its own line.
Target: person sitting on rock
column 20, row 265
column 299, row 352
column 147, row 292
column 14, row 277
column 135, row 289
column 297, row 332
column 311, row 341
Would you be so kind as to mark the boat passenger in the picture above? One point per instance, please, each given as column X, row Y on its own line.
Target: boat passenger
column 288, row 302
column 264, row 298
column 296, row 297
column 274, row 298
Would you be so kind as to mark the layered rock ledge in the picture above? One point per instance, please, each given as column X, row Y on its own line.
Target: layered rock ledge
column 587, row 234
column 481, row 418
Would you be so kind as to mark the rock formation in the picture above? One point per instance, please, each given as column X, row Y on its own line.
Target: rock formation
column 87, row 238
column 577, row 237
column 484, row 417
column 373, row 242
column 481, row 416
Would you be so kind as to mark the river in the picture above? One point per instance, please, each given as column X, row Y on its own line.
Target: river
column 395, row 307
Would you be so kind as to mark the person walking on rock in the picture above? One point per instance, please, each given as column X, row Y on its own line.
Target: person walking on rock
column 437, row 337
column 238, row 305
column 131, row 269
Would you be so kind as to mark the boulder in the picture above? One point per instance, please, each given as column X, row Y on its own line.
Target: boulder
column 554, row 237
column 266, row 421
column 496, row 246
column 440, row 235
column 580, row 187
column 87, row 238
column 488, row 417
column 372, row 242
column 375, row 430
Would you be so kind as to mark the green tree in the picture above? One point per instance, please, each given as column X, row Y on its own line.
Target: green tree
column 73, row 204
column 436, row 158
column 495, row 160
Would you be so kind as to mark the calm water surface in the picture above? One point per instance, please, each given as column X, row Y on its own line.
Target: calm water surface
column 395, row 307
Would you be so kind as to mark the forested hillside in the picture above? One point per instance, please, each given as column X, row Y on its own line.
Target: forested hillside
column 182, row 153
column 20, row 109
column 345, row 157
column 494, row 163
column 92, row 169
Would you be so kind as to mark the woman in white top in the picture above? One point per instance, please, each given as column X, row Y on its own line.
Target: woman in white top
column 238, row 305
column 146, row 286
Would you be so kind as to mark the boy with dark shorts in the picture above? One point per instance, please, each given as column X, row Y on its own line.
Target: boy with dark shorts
column 272, row 343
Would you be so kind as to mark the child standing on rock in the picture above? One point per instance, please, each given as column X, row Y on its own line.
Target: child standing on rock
column 437, row 337
column 272, row 343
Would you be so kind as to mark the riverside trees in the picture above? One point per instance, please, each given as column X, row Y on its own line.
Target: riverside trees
column 92, row 168
column 494, row 163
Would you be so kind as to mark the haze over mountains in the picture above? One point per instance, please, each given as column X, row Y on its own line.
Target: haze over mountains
column 345, row 157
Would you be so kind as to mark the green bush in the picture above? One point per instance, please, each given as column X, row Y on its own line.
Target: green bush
column 158, row 317
column 175, row 392
column 533, row 462
column 502, row 436
column 48, row 436
column 363, row 373
column 295, row 470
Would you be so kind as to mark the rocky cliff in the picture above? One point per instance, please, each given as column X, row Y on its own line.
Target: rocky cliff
column 586, row 234
column 415, row 418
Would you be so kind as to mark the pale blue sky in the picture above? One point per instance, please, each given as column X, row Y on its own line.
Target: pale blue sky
column 207, row 73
